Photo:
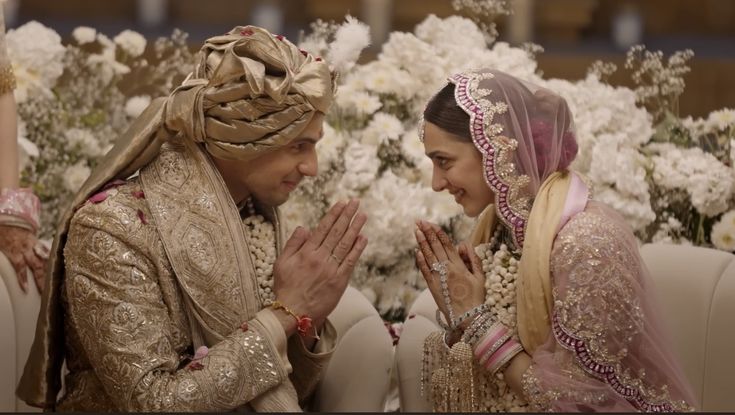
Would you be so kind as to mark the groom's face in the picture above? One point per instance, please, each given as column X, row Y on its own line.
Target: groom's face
column 457, row 169
column 271, row 177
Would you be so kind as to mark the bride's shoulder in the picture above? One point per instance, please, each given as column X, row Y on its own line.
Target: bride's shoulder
column 599, row 229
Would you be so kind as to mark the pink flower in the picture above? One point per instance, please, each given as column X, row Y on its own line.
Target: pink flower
column 99, row 197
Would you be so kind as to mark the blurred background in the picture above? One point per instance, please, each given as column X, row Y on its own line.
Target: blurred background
column 573, row 33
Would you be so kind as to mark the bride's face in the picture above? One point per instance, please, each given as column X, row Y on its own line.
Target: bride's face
column 457, row 169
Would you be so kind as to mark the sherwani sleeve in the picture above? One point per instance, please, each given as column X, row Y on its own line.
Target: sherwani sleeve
column 127, row 328
column 605, row 351
column 309, row 365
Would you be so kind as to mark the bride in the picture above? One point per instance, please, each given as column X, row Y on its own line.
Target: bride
column 552, row 309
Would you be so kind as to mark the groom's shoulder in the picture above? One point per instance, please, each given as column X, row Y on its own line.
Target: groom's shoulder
column 119, row 208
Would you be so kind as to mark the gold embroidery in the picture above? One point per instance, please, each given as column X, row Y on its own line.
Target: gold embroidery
column 7, row 80
column 127, row 333
column 599, row 306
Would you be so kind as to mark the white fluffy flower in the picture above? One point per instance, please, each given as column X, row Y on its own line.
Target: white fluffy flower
column 447, row 34
column 133, row 43
column 136, row 105
column 723, row 232
column 328, row 148
column 105, row 62
column 394, row 204
column 84, row 34
column 361, row 166
column 381, row 128
column 357, row 102
column 36, row 54
column 709, row 182
column 412, row 146
column 84, row 142
column 350, row 39
column 383, row 78
column 75, row 176
column 721, row 119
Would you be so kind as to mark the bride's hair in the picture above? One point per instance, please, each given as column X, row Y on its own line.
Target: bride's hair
column 444, row 112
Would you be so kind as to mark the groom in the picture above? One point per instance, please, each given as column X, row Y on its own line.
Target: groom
column 166, row 291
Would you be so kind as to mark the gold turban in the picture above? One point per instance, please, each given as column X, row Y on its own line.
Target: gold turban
column 250, row 92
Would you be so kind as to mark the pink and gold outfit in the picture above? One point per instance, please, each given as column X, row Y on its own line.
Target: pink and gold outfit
column 586, row 313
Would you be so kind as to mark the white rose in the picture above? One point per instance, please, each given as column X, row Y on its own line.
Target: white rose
column 723, row 233
column 136, row 105
column 133, row 43
column 36, row 54
column 76, row 175
column 84, row 34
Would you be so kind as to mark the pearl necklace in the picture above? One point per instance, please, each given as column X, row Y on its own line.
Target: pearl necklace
column 261, row 239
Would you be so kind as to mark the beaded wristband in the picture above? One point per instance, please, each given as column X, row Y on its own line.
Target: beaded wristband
column 303, row 322
column 478, row 328
column 469, row 313
column 22, row 204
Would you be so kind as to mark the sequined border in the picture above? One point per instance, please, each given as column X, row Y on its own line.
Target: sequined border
column 497, row 151
column 602, row 371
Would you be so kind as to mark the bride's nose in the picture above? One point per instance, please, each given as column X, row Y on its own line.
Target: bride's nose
column 438, row 181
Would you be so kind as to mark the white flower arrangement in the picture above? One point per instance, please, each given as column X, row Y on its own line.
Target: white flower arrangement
column 74, row 100
column 373, row 130
column 671, row 178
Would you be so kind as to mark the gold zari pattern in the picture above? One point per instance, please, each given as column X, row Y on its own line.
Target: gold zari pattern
column 7, row 80
column 127, row 332
column 592, row 249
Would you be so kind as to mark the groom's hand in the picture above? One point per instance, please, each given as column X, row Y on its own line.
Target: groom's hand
column 312, row 273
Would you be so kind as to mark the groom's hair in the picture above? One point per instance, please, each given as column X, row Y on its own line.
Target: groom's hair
column 444, row 112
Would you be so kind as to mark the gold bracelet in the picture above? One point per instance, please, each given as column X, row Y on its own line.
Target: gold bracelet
column 303, row 323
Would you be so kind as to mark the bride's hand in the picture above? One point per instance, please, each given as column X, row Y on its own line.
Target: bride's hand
column 465, row 278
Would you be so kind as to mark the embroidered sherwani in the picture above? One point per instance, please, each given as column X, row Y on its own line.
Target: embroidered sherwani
column 154, row 270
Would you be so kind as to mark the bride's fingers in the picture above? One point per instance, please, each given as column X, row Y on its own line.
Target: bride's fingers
column 434, row 243
column 423, row 266
column 464, row 255
column 447, row 244
column 425, row 248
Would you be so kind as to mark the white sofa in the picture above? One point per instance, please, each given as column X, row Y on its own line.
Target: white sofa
column 357, row 378
column 696, row 291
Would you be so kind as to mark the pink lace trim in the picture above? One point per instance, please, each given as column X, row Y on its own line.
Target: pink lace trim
column 491, row 155
column 603, row 372
column 22, row 204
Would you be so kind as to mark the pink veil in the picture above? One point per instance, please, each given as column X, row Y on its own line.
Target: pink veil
column 607, row 350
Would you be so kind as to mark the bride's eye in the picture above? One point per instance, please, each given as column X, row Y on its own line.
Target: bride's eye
column 441, row 161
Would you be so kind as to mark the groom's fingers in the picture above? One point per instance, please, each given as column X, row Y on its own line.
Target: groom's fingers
column 350, row 261
column 348, row 240
column 338, row 229
column 295, row 242
column 325, row 225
